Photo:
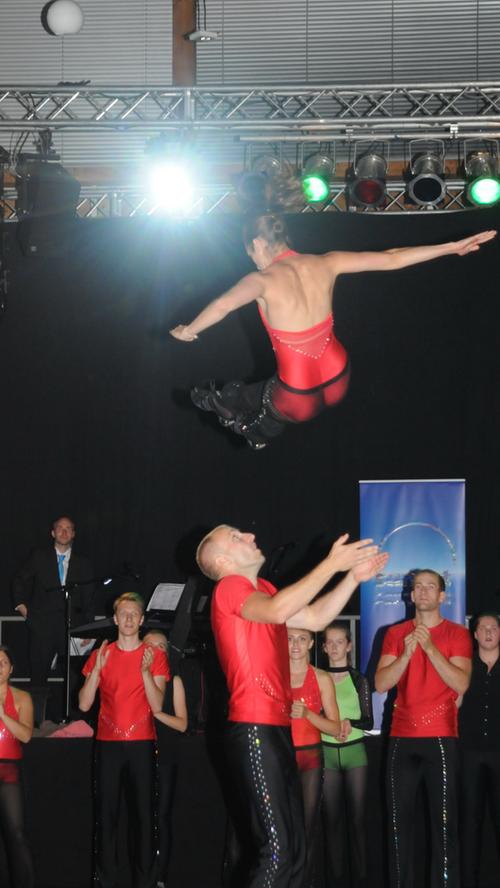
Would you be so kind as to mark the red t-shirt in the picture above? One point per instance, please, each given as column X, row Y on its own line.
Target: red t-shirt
column 425, row 705
column 254, row 656
column 124, row 712
column 303, row 732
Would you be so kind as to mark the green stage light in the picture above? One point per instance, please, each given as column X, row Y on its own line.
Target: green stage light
column 316, row 178
column 483, row 187
column 315, row 188
column 484, row 191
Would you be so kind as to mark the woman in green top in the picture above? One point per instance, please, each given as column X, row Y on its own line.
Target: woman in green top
column 345, row 762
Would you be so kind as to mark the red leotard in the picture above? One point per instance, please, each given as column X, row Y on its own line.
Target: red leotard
column 124, row 712
column 253, row 656
column 308, row 358
column 303, row 732
column 10, row 747
column 425, row 705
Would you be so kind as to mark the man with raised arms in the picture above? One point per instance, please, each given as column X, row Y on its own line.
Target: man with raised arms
column 249, row 620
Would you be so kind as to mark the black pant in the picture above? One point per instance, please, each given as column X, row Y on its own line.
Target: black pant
column 167, row 777
column 432, row 760
column 251, row 409
column 263, row 768
column 12, row 826
column 261, row 411
column 127, row 764
column 47, row 636
column 479, row 780
column 344, row 808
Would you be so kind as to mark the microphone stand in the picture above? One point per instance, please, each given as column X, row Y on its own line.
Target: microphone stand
column 67, row 589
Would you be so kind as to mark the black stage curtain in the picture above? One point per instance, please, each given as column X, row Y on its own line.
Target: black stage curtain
column 97, row 420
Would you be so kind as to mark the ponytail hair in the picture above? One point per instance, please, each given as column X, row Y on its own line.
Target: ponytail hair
column 271, row 227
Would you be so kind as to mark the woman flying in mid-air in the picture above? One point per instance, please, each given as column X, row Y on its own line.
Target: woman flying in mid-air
column 293, row 292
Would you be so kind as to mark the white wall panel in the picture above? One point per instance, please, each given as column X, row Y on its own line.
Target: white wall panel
column 121, row 42
column 338, row 41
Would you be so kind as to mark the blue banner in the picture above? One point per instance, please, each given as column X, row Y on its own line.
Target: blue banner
column 421, row 524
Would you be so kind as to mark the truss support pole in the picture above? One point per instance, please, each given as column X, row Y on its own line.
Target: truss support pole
column 184, row 51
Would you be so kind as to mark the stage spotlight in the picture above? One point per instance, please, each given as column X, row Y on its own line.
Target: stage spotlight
column 47, row 197
column 316, row 177
column 169, row 171
column 427, row 186
column 171, row 185
column 483, row 186
column 367, row 186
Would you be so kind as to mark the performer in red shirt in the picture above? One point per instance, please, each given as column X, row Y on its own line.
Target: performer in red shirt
column 314, row 710
column 131, row 678
column 294, row 295
column 16, row 727
column 249, row 620
column 429, row 660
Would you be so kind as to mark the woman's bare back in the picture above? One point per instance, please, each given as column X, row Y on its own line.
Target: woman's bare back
column 297, row 291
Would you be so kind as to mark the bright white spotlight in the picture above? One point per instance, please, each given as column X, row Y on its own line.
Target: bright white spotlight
column 171, row 186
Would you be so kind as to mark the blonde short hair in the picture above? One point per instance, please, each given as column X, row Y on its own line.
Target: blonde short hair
column 128, row 596
column 207, row 551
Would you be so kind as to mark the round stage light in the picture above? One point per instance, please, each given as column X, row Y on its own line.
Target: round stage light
column 368, row 185
column 483, row 187
column 316, row 178
column 315, row 188
column 64, row 17
column 427, row 186
column 484, row 191
column 171, row 186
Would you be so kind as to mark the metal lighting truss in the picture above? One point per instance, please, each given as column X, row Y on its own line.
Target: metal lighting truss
column 222, row 117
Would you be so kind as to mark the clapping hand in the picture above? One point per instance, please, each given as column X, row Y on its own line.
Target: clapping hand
column 299, row 709
column 147, row 658
column 102, row 657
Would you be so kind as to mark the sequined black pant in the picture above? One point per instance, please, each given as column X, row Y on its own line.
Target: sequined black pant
column 125, row 768
column 480, row 782
column 262, row 766
column 410, row 761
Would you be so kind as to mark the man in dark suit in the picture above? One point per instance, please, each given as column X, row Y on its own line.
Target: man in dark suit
column 38, row 597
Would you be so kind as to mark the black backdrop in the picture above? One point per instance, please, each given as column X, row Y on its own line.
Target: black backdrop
column 97, row 421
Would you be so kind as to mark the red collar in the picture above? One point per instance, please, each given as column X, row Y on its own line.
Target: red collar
column 283, row 255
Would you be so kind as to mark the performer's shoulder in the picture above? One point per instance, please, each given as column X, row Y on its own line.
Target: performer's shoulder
column 400, row 629
column 231, row 591
column 456, row 630
column 20, row 696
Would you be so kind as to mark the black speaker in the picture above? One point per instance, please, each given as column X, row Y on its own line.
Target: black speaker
column 47, row 196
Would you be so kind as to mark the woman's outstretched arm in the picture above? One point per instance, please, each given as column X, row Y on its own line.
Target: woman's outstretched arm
column 402, row 257
column 247, row 290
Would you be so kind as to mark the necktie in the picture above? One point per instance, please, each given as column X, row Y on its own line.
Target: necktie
column 60, row 567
